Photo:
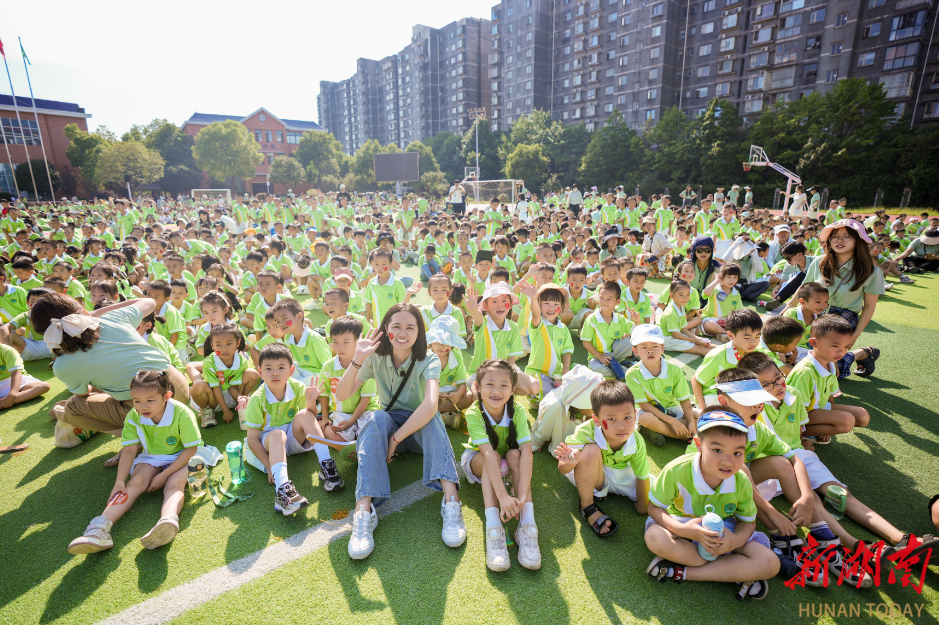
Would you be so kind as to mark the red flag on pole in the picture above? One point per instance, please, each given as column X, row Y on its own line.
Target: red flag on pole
column 1, row 50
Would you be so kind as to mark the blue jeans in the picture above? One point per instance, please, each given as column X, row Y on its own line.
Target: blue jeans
column 372, row 450
column 429, row 269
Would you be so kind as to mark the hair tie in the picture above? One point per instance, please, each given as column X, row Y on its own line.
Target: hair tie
column 73, row 325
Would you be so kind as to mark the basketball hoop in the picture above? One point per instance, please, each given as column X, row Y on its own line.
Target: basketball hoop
column 746, row 166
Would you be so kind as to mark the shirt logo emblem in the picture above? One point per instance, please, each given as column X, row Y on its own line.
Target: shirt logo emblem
column 616, row 334
column 791, row 417
column 291, row 412
column 729, row 507
column 668, row 389
column 171, row 440
column 306, row 358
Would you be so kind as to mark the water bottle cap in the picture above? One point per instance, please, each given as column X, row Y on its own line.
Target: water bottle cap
column 196, row 463
column 233, row 447
column 709, row 509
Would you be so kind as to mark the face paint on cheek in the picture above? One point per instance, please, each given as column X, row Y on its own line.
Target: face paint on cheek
column 605, row 426
column 218, row 353
column 391, row 336
column 289, row 323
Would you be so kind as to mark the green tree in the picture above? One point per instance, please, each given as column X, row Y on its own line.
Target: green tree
column 670, row 159
column 321, row 149
column 428, row 163
column 181, row 172
column 25, row 182
column 562, row 144
column 448, row 150
column 434, row 183
column 84, row 150
column 288, row 171
column 526, row 162
column 490, row 164
column 128, row 162
column 227, row 149
column 717, row 137
column 614, row 155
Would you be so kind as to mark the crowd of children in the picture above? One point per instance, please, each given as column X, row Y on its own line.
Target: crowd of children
column 237, row 287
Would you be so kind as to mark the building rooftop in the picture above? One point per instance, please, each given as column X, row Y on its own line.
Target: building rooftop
column 208, row 118
column 47, row 105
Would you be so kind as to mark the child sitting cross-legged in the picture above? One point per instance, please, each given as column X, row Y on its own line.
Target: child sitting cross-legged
column 663, row 398
column 226, row 375
column 605, row 334
column 744, row 328
column 281, row 417
column 710, row 480
column 169, row 435
column 679, row 320
column 498, row 431
column 815, row 380
column 604, row 455
column 345, row 418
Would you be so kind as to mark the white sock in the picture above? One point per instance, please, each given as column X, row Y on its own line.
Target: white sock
column 492, row 518
column 279, row 470
column 528, row 514
column 322, row 451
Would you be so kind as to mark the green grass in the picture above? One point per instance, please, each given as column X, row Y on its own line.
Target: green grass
column 48, row 495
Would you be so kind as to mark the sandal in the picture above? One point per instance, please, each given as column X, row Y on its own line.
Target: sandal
column 746, row 590
column 865, row 366
column 110, row 463
column 597, row 525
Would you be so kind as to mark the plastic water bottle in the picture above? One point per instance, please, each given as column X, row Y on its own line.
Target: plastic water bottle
column 235, row 462
column 242, row 412
column 198, row 476
column 506, row 476
column 711, row 521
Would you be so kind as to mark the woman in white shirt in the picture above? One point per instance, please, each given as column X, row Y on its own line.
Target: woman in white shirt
column 798, row 201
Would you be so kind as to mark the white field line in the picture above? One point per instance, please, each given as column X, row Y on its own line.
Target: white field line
column 175, row 601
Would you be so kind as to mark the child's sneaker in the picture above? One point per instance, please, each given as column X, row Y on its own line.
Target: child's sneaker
column 162, row 533
column 835, row 557
column 662, row 569
column 529, row 554
column 906, row 280
column 497, row 553
column 207, row 418
column 97, row 537
column 454, row 530
column 452, row 420
column 329, row 476
column 793, row 557
column 313, row 304
column 287, row 500
column 361, row 543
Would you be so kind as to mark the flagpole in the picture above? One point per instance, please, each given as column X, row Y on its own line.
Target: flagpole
column 20, row 122
column 10, row 159
column 36, row 116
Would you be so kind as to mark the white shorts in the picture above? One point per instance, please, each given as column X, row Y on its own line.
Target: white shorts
column 35, row 350
column 677, row 345
column 675, row 411
column 405, row 236
column 302, row 374
column 158, row 461
column 231, row 402
column 183, row 354
column 617, row 481
column 293, row 447
column 352, row 432
column 5, row 384
column 818, row 472
column 729, row 524
column 465, row 459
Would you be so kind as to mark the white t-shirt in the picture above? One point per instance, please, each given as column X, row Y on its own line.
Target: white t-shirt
column 798, row 200
column 456, row 196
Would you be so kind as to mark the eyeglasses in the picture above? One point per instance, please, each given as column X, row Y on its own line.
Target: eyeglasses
column 779, row 381
column 702, row 250
column 840, row 237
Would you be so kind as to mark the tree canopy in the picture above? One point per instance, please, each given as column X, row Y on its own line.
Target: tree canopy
column 226, row 149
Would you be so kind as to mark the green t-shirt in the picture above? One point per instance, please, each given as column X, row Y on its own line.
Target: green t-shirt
column 22, row 321
column 631, row 455
column 333, row 372
column 174, row 324
column 383, row 296
column 12, row 303
column 720, row 309
column 681, row 490
column 453, row 372
column 429, row 312
column 10, row 361
column 644, row 305
column 265, row 412
column 549, row 342
column 216, row 374
column 310, row 352
column 669, row 388
column 786, row 420
column 176, row 431
column 477, row 428
column 602, row 334
column 814, row 384
column 495, row 342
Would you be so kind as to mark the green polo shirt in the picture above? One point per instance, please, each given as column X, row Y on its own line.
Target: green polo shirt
column 12, row 303
column 22, row 321
column 383, row 296
column 680, row 489
column 388, row 379
column 814, row 384
column 602, row 334
column 786, row 420
column 310, row 352
column 332, row 373
column 10, row 361
column 217, row 375
column 844, row 297
column 549, row 342
column 476, row 427
column 725, row 231
column 495, row 342
column 631, row 455
column 454, row 370
column 669, row 388
column 429, row 312
column 266, row 413
column 800, row 315
column 718, row 359
column 644, row 305
column 720, row 309
column 174, row 323
column 176, row 431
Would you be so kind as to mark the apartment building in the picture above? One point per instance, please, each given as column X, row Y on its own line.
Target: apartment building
column 426, row 88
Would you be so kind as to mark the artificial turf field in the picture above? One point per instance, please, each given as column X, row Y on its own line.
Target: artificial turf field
column 48, row 495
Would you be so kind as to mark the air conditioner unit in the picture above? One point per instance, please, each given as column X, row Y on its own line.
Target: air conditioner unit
column 724, row 13
column 737, row 10
column 747, row 98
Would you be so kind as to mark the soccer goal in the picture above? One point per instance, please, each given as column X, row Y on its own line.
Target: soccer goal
column 482, row 191
column 212, row 196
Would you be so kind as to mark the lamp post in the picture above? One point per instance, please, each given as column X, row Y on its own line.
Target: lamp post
column 476, row 115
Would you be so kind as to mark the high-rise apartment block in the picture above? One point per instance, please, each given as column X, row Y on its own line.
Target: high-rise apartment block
column 424, row 89
column 581, row 60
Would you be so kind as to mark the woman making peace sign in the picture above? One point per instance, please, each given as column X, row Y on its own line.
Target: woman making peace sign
column 407, row 377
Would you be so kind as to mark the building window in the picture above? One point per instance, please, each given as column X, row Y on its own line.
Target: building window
column 650, row 115
column 257, row 136
column 759, row 60
column 653, row 74
column 704, row 50
column 707, row 28
column 608, row 90
column 835, row 49
column 621, row 100
column 841, row 19
column 871, row 30
column 755, row 83
column 654, row 53
column 607, row 108
column 16, row 132
column 725, row 67
column 729, row 21
column 656, row 31
column 792, row 26
column 791, row 5
column 909, row 25
column 753, row 106
column 873, row 4
column 294, row 137
column 728, row 44
column 932, row 110
column 831, row 76
column 657, row 10
column 722, row 88
column 866, row 59
column 280, row 136
column 650, row 94
column 810, row 69
column 709, row 6
column 764, row 35
column 268, row 136
column 813, row 43
column 701, row 92
column 897, row 85
column 782, row 78
column 901, row 56
column 786, row 53
column 817, row 16
column 704, row 71
column 765, row 11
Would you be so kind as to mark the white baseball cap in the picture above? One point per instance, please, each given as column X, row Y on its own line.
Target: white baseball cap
column 746, row 392
column 647, row 333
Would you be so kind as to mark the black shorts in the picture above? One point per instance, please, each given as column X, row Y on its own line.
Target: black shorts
column 575, row 208
column 459, row 208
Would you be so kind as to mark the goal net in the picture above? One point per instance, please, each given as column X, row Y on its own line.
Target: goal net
column 482, row 191
column 212, row 196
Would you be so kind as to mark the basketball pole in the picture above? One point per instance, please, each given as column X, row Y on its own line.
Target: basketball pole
column 476, row 115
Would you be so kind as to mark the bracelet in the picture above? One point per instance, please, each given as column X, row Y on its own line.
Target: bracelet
column 395, row 440
column 354, row 364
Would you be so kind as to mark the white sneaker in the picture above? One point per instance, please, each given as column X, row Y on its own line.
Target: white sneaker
column 97, row 537
column 207, row 418
column 162, row 533
column 362, row 543
column 529, row 554
column 454, row 530
column 497, row 553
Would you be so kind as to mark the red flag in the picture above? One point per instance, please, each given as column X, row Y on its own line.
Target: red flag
column 1, row 50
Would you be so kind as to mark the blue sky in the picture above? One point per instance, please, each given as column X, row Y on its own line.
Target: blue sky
column 127, row 63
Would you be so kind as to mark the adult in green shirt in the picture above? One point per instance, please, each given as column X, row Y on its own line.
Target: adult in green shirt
column 702, row 255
